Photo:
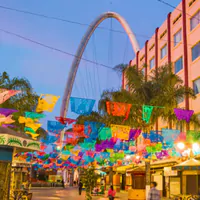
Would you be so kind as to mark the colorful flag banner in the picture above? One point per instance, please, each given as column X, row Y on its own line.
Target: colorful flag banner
column 27, row 129
column 78, row 129
column 33, row 135
column 170, row 135
column 154, row 136
column 63, row 120
column 5, row 94
column 118, row 109
column 6, row 111
column 6, row 120
column 34, row 115
column 105, row 133
column 134, row 134
column 120, row 132
column 46, row 102
column 23, row 120
column 81, row 106
column 91, row 129
column 154, row 148
column 55, row 127
column 33, row 126
column 182, row 114
column 146, row 113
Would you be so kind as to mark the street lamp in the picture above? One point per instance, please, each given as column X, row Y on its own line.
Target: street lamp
column 195, row 147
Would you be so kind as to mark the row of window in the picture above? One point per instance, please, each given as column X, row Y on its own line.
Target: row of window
column 179, row 63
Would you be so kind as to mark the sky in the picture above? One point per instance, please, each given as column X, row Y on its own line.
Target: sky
column 47, row 70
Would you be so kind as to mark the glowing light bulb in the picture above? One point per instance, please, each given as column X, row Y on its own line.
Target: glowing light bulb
column 195, row 147
column 181, row 145
column 58, row 148
column 137, row 157
column 128, row 157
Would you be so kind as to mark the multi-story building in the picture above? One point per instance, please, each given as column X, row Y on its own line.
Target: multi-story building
column 176, row 41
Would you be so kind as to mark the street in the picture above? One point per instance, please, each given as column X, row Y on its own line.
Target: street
column 68, row 194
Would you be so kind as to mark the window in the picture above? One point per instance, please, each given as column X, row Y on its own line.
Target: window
column 127, row 87
column 143, row 71
column 177, row 37
column 195, row 20
column 178, row 65
column 152, row 63
column 195, row 51
column 163, row 52
column 196, row 86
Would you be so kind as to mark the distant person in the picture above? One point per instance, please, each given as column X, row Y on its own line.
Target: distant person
column 111, row 193
column 63, row 184
column 80, row 187
column 154, row 194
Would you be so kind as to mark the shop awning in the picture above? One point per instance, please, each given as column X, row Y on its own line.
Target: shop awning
column 11, row 138
column 191, row 164
column 122, row 169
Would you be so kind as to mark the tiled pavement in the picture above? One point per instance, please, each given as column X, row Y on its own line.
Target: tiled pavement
column 68, row 194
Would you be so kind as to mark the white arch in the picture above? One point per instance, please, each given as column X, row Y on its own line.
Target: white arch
column 81, row 48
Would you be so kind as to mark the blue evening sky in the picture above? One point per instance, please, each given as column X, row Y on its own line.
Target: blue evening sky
column 47, row 70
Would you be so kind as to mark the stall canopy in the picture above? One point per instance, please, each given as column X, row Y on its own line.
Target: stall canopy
column 11, row 138
column 191, row 164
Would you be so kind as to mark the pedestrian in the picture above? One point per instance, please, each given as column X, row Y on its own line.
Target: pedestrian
column 111, row 193
column 154, row 194
column 63, row 183
column 80, row 187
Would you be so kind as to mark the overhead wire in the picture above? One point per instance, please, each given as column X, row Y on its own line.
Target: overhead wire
column 52, row 48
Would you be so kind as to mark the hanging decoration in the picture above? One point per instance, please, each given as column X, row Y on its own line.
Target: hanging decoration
column 146, row 113
column 46, row 102
column 63, row 120
column 120, row 132
column 182, row 114
column 6, row 120
column 134, row 134
column 118, row 109
column 78, row 129
column 55, row 127
column 5, row 94
column 105, row 133
column 154, row 136
column 81, row 106
column 6, row 111
column 34, row 115
column 91, row 129
column 23, row 120
column 170, row 135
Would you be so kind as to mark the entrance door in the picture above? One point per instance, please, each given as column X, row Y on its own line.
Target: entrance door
column 123, row 181
column 192, row 184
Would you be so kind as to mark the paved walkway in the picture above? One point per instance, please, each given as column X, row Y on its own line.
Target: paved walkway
column 67, row 194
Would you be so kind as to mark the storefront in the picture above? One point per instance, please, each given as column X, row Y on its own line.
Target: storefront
column 12, row 143
column 190, row 176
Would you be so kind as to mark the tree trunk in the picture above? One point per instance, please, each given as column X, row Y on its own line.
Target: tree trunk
column 111, row 176
column 148, row 176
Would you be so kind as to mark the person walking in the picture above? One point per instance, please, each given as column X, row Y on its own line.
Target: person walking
column 111, row 193
column 154, row 194
column 80, row 186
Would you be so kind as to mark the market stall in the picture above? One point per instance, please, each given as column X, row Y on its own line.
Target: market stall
column 13, row 173
column 190, row 176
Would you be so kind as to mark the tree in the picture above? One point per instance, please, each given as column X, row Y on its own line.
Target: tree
column 25, row 101
column 89, row 180
column 163, row 88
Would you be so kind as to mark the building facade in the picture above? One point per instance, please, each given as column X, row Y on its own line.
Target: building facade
column 176, row 41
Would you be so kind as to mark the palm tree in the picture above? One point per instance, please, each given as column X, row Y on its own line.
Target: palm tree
column 25, row 101
column 163, row 88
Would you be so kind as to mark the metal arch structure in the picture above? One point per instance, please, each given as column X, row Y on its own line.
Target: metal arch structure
column 81, row 48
